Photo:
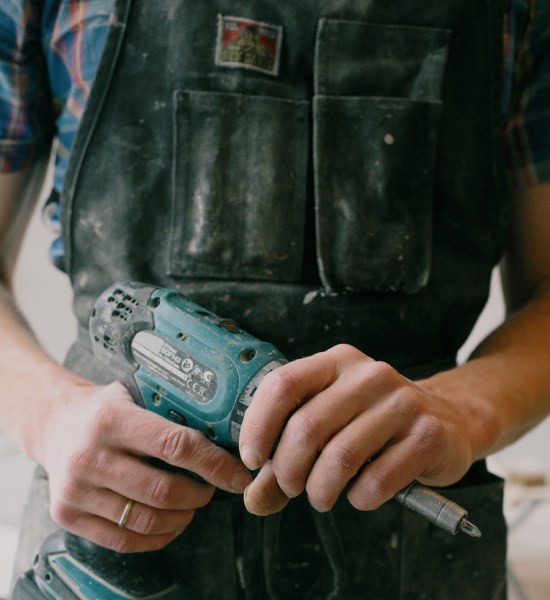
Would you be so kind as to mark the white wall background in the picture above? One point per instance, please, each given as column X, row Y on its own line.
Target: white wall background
column 42, row 291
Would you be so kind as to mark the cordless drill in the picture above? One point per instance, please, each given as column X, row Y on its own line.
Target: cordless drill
column 188, row 365
column 199, row 370
column 178, row 359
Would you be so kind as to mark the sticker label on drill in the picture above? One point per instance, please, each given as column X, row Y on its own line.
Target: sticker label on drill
column 246, row 398
column 174, row 366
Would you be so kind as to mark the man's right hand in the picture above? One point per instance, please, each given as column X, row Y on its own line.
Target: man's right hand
column 95, row 450
column 94, row 441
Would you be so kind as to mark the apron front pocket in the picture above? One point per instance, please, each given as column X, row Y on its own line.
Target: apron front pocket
column 376, row 117
column 374, row 192
column 239, row 186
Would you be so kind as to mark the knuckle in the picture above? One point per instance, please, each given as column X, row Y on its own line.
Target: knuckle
column 103, row 421
column 123, row 543
column 175, row 444
column 280, row 381
column 384, row 372
column 82, row 460
column 348, row 355
column 302, row 429
column 147, row 521
column 376, row 375
column 432, row 433
column 61, row 514
column 346, row 352
column 69, row 491
column 404, row 403
column 162, row 491
column 85, row 460
column 374, row 495
column 343, row 460
column 405, row 399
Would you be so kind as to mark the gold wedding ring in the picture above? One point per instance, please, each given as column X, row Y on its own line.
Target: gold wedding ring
column 125, row 514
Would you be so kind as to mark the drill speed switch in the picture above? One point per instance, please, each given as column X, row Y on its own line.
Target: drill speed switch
column 179, row 360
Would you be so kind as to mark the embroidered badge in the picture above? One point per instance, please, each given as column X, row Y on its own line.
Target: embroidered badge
column 246, row 44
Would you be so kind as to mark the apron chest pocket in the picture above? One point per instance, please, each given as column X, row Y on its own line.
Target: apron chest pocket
column 239, row 186
column 375, row 117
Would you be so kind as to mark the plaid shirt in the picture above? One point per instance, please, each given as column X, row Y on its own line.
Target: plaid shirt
column 50, row 49
column 526, row 100
column 49, row 52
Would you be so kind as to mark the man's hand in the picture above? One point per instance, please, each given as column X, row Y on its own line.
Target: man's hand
column 348, row 423
column 93, row 441
column 95, row 451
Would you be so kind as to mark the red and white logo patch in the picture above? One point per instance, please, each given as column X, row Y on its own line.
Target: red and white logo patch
column 246, row 44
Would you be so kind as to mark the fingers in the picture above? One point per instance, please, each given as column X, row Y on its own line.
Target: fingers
column 264, row 496
column 102, row 460
column 344, row 457
column 111, row 536
column 143, row 433
column 134, row 478
column 326, row 473
column 141, row 518
column 280, row 394
column 380, row 480
column 335, row 412
column 331, row 434
column 165, row 507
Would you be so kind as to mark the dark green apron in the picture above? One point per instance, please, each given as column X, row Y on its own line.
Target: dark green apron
column 322, row 171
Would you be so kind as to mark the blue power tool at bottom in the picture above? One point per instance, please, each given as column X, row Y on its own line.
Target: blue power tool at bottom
column 184, row 363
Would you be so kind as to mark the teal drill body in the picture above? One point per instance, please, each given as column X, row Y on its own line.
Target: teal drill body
column 180, row 360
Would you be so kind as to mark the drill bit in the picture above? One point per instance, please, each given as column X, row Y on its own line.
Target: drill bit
column 437, row 509
column 470, row 529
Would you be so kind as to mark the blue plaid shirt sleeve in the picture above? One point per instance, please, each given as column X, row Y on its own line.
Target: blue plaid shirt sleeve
column 26, row 108
column 49, row 53
column 527, row 73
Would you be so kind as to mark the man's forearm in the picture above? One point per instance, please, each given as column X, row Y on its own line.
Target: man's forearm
column 507, row 380
column 32, row 382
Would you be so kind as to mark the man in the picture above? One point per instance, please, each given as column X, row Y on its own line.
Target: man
column 339, row 192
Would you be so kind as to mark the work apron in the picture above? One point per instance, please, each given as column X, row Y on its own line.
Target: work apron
column 322, row 172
